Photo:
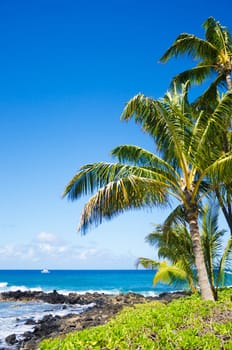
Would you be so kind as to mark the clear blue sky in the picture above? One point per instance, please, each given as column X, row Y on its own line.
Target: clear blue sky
column 67, row 68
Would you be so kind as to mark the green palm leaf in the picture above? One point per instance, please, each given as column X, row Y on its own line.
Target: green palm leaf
column 220, row 171
column 143, row 158
column 217, row 35
column 191, row 45
column 97, row 175
column 211, row 238
column 176, row 217
column 147, row 263
column 166, row 121
column 225, row 263
column 195, row 75
column 209, row 98
column 213, row 54
column 207, row 127
column 169, row 273
column 126, row 193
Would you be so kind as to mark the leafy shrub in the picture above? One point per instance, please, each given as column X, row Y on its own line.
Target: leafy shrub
column 186, row 323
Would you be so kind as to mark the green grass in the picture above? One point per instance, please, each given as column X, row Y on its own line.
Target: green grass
column 187, row 323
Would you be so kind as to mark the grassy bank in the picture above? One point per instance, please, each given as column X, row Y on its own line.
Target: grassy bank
column 187, row 323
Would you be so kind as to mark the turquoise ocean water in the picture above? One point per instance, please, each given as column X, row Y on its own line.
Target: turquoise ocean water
column 13, row 315
column 106, row 281
column 64, row 281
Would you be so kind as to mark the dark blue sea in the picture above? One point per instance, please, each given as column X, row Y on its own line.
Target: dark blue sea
column 14, row 314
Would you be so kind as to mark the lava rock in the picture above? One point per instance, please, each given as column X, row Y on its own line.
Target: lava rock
column 11, row 339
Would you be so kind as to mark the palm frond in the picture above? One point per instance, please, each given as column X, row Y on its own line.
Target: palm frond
column 173, row 243
column 222, row 112
column 175, row 218
column 225, row 263
column 143, row 158
column 211, row 238
column 117, row 196
column 204, row 133
column 166, row 121
column 194, row 75
column 91, row 177
column 97, row 175
column 144, row 110
column 147, row 263
column 189, row 44
column 220, row 170
column 216, row 34
column 208, row 100
column 169, row 273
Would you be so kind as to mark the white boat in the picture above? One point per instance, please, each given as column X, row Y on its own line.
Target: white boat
column 45, row 271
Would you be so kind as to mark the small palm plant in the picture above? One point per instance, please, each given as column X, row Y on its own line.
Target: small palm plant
column 218, row 257
column 174, row 245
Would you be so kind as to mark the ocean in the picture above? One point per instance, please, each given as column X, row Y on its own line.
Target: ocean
column 64, row 281
column 14, row 314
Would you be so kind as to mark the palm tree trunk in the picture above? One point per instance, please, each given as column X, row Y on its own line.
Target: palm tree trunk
column 192, row 216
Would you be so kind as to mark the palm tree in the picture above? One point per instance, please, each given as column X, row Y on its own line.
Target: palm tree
column 174, row 244
column 143, row 179
column 214, row 54
column 166, row 272
column 217, row 259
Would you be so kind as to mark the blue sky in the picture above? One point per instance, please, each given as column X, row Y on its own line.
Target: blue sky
column 67, row 69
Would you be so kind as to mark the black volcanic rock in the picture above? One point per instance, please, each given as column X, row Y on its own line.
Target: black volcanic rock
column 11, row 339
column 103, row 308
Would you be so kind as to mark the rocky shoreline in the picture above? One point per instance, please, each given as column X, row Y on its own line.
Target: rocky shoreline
column 103, row 308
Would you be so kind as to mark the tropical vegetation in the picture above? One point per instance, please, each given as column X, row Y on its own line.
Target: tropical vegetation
column 187, row 323
column 213, row 55
column 175, row 253
column 182, row 135
column 193, row 155
column 174, row 245
column 214, row 61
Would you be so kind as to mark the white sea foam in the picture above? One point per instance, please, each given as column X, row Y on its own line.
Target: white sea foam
column 4, row 287
column 14, row 315
column 101, row 291
column 150, row 294
column 83, row 292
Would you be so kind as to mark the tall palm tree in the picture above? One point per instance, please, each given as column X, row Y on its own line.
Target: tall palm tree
column 214, row 55
column 144, row 179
